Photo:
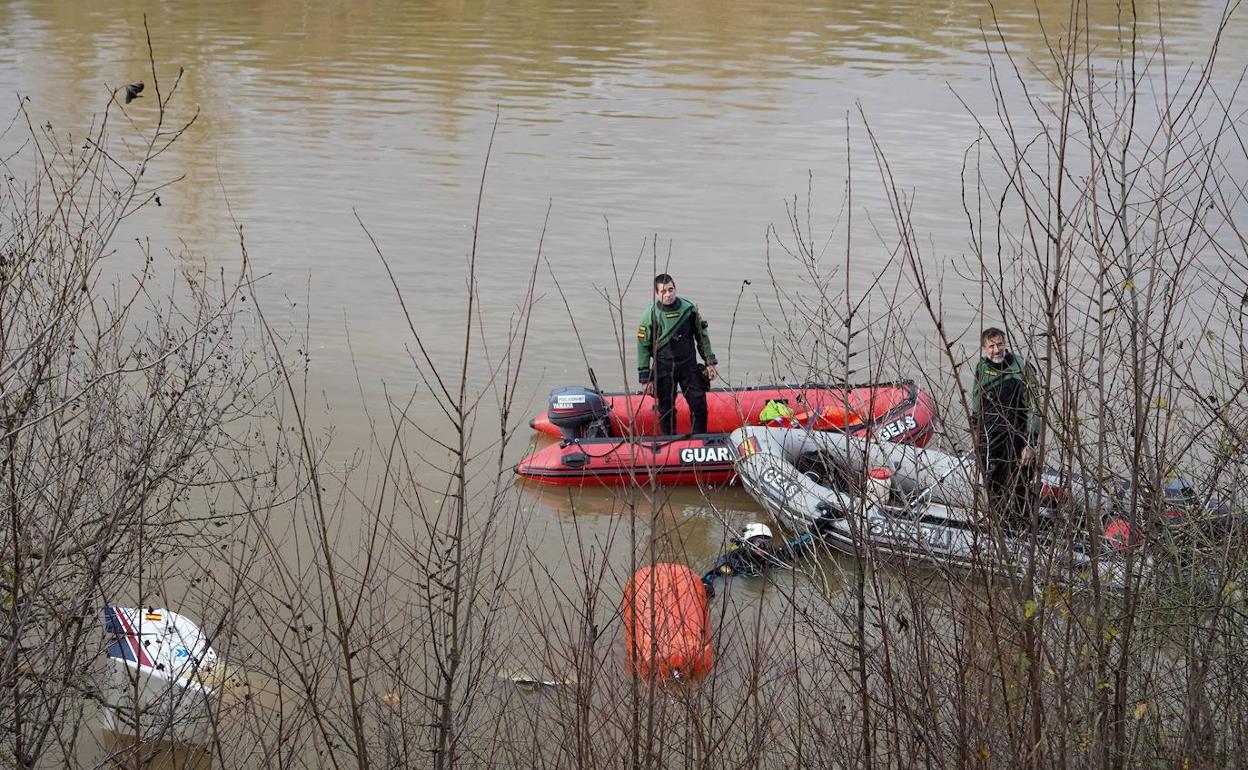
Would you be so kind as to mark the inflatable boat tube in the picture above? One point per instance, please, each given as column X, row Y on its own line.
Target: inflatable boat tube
column 610, row 438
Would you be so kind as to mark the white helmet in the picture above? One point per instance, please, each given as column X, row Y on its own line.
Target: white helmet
column 755, row 529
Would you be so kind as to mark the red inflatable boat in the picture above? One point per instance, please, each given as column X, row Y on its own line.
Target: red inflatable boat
column 609, row 438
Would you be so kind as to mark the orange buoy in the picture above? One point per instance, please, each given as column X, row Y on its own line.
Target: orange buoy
column 667, row 622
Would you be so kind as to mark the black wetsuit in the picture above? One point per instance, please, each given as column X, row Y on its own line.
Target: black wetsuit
column 673, row 335
column 743, row 559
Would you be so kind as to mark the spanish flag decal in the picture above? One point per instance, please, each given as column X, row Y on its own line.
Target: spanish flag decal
column 152, row 616
column 748, row 447
column 641, row 332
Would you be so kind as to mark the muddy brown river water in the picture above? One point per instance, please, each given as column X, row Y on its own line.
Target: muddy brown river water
column 626, row 137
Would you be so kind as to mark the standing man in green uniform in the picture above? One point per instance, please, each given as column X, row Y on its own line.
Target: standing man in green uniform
column 672, row 334
column 1005, row 400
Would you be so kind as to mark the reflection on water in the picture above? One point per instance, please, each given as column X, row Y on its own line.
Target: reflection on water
column 674, row 524
column 128, row 754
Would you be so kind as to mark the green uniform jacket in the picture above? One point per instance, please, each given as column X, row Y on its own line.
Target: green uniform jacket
column 656, row 329
column 990, row 377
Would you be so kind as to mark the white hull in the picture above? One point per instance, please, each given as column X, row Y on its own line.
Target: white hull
column 158, row 685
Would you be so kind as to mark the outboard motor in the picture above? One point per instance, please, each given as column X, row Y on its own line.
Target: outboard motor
column 579, row 412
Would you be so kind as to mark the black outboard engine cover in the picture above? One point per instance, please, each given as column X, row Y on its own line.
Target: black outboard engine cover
column 579, row 412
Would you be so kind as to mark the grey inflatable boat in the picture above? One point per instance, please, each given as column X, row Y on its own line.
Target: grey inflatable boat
column 869, row 496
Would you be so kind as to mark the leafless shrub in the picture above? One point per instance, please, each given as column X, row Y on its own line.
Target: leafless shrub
column 1104, row 264
column 121, row 401
column 1103, row 223
column 398, row 612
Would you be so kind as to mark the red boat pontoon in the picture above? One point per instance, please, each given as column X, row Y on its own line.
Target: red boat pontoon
column 610, row 438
